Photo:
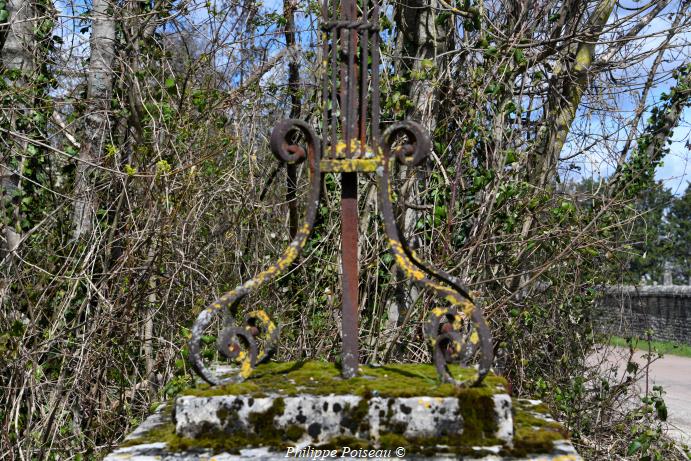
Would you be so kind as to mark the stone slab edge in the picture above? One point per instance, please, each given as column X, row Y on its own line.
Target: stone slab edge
column 324, row 417
column 563, row 450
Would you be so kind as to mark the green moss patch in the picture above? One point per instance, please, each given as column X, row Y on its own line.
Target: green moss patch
column 323, row 378
column 533, row 433
column 221, row 441
column 479, row 423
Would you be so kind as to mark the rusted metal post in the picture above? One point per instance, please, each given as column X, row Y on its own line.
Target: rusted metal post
column 349, row 259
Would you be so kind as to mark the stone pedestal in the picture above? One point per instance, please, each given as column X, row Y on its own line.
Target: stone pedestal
column 306, row 411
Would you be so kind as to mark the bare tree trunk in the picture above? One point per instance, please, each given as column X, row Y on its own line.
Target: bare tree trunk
column 99, row 89
column 422, row 38
column 17, row 55
column 569, row 83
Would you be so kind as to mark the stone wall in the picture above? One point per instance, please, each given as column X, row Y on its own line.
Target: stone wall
column 631, row 310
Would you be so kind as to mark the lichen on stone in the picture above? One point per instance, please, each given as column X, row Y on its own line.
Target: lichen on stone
column 389, row 386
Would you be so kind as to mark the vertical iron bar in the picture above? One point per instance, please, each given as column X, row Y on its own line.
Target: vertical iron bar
column 375, row 77
column 325, row 80
column 364, row 54
column 334, row 96
column 349, row 244
column 343, row 68
column 349, row 215
column 351, row 93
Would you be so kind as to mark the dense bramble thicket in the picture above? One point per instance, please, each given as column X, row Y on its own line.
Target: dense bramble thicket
column 137, row 186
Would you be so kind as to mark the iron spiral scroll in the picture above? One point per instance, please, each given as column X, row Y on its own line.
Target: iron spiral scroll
column 350, row 143
column 458, row 331
column 239, row 342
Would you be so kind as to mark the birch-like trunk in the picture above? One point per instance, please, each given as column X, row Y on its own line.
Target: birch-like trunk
column 421, row 39
column 96, row 126
column 569, row 84
column 17, row 55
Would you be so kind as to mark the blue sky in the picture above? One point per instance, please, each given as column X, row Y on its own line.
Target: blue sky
column 598, row 162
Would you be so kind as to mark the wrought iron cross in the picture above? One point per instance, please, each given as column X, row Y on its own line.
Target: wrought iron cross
column 350, row 144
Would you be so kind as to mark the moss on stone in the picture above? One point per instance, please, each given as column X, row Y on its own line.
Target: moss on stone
column 355, row 418
column 263, row 422
column 341, row 441
column 323, row 378
column 218, row 441
column 393, row 441
column 479, row 419
column 534, row 434
column 294, row 432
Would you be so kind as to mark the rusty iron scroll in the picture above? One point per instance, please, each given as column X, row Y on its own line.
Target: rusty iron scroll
column 350, row 144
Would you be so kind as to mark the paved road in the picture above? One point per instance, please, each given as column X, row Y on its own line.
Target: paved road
column 671, row 372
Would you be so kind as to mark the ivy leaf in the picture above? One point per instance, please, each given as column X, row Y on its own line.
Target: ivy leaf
column 633, row 447
column 130, row 170
column 385, row 24
column 17, row 328
column 427, row 64
column 442, row 18
column 170, row 83
column 519, row 57
column 661, row 409
column 4, row 14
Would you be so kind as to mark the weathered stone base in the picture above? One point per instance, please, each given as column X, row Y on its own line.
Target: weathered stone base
column 321, row 418
column 307, row 412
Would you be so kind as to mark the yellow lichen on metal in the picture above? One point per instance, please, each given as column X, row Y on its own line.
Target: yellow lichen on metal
column 349, row 165
column 264, row 320
column 342, row 149
column 439, row 311
column 261, row 315
column 404, row 263
column 457, row 322
column 246, row 369
column 474, row 337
